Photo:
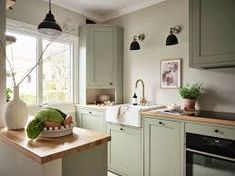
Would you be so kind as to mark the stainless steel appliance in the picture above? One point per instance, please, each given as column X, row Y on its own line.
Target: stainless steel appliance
column 209, row 156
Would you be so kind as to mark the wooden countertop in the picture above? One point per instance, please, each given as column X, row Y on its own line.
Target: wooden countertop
column 47, row 149
column 155, row 114
column 92, row 106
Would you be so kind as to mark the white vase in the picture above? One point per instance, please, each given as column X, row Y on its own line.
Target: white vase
column 16, row 114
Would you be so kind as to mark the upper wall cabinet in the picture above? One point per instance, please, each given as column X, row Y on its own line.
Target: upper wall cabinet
column 101, row 71
column 101, row 57
column 212, row 36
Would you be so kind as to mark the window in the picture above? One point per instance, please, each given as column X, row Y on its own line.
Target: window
column 57, row 72
column 51, row 82
column 22, row 56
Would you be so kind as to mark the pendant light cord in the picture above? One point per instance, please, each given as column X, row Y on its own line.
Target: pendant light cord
column 50, row 6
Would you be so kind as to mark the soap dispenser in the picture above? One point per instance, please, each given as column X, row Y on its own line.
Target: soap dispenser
column 134, row 99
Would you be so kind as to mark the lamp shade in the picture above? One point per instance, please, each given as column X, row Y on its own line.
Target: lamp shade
column 135, row 45
column 49, row 26
column 171, row 40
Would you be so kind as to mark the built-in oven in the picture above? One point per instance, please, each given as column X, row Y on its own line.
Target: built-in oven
column 209, row 156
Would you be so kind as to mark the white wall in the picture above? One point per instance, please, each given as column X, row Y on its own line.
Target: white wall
column 155, row 22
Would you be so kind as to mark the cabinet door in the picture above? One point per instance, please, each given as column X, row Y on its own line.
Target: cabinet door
column 125, row 151
column 101, row 59
column 212, row 33
column 93, row 120
column 163, row 146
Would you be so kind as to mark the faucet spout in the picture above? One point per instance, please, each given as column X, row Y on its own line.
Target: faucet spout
column 142, row 100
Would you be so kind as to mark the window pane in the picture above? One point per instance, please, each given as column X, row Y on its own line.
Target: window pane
column 22, row 56
column 57, row 72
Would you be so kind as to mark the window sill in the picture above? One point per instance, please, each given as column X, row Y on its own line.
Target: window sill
column 65, row 107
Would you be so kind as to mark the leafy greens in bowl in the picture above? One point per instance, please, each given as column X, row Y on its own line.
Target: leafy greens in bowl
column 47, row 118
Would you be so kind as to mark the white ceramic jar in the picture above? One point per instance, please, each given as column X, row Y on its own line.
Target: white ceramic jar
column 16, row 114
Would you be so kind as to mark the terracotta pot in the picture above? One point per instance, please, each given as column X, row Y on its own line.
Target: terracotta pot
column 189, row 104
column 16, row 114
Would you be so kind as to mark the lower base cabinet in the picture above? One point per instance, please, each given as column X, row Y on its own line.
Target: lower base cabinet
column 163, row 147
column 91, row 119
column 125, row 150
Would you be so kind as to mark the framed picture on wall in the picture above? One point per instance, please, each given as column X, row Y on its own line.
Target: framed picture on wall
column 171, row 73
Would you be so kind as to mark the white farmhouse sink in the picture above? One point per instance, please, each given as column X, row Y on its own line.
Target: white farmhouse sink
column 130, row 114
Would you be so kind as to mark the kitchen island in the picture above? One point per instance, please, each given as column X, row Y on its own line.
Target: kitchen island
column 83, row 153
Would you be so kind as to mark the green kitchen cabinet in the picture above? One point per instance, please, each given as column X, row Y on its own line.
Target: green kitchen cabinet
column 101, row 63
column 212, row 34
column 125, row 150
column 163, row 147
column 91, row 119
column 101, row 59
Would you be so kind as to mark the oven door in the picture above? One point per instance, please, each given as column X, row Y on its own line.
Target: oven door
column 209, row 156
column 206, row 164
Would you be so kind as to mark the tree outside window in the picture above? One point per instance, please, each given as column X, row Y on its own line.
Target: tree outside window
column 54, row 75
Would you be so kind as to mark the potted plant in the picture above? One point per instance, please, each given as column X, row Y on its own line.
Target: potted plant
column 190, row 94
column 8, row 94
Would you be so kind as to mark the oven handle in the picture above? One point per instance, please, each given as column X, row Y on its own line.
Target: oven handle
column 210, row 154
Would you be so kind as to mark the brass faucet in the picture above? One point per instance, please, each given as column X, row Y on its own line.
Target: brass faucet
column 143, row 101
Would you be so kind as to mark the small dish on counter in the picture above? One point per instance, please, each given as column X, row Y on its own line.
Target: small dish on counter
column 57, row 132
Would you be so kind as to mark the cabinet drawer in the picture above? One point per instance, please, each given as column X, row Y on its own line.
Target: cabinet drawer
column 91, row 112
column 125, row 129
column 91, row 119
column 161, row 123
column 210, row 130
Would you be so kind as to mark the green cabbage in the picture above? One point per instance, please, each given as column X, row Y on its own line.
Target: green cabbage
column 51, row 115
column 35, row 127
column 62, row 113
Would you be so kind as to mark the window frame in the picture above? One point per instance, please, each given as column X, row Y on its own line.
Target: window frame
column 30, row 30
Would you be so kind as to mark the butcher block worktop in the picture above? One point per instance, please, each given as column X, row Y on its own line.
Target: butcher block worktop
column 155, row 114
column 44, row 150
column 92, row 106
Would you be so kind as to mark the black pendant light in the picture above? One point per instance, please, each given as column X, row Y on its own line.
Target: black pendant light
column 172, row 39
column 135, row 44
column 49, row 25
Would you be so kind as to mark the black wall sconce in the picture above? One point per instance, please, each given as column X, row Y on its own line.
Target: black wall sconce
column 172, row 39
column 135, row 44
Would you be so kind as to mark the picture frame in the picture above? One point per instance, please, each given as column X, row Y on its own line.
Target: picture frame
column 171, row 73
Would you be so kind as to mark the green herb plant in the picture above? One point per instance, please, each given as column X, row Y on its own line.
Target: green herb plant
column 191, row 91
column 8, row 94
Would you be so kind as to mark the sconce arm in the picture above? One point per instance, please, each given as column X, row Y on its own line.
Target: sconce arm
column 175, row 30
column 140, row 37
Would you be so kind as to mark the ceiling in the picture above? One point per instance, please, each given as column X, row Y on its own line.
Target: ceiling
column 103, row 10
